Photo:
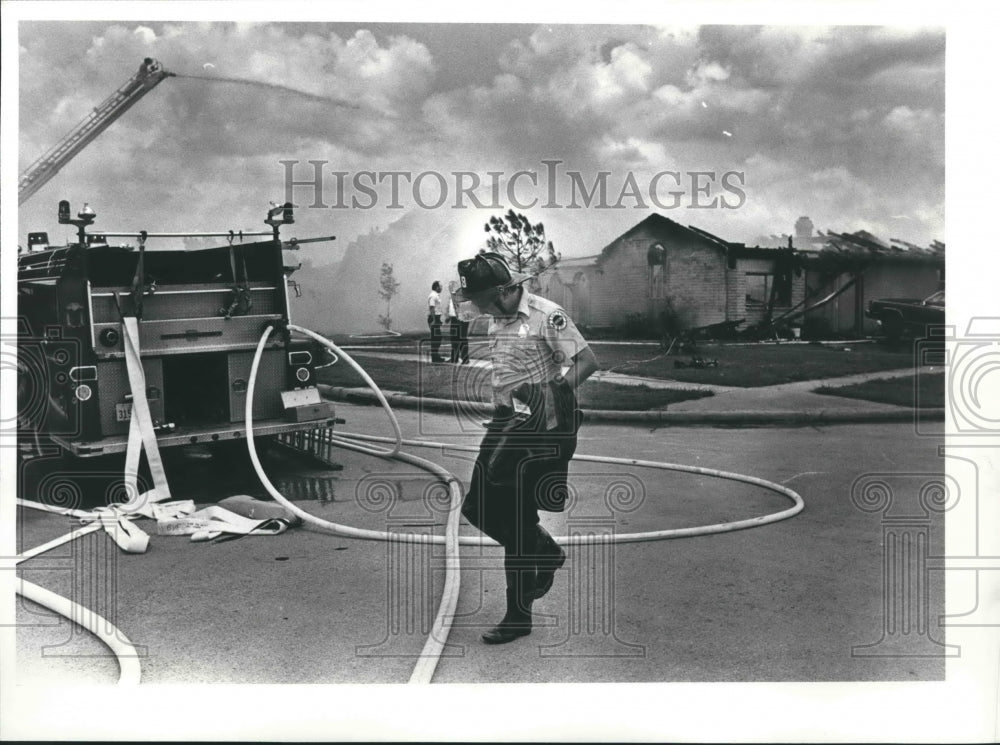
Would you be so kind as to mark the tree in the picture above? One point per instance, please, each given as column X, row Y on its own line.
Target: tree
column 521, row 243
column 388, row 289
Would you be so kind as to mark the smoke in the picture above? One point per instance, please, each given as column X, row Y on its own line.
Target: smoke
column 274, row 87
column 422, row 246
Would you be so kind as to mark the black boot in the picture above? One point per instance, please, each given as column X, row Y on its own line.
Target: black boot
column 517, row 620
column 551, row 558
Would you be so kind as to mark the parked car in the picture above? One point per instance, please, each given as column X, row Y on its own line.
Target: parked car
column 907, row 316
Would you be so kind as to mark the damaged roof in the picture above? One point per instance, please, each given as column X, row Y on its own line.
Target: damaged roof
column 862, row 244
column 824, row 246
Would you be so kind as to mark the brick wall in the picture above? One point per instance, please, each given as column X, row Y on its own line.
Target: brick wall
column 696, row 282
column 693, row 279
column 621, row 286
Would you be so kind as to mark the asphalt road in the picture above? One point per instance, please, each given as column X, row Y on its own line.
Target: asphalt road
column 798, row 600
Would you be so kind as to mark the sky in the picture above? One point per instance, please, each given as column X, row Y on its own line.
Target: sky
column 738, row 130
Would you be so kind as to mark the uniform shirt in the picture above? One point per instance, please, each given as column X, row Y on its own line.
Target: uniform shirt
column 533, row 346
column 451, row 309
column 434, row 303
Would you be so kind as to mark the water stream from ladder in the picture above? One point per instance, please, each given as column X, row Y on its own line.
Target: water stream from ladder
column 273, row 87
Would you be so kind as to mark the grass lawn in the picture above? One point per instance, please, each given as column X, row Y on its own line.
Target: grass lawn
column 753, row 365
column 744, row 365
column 595, row 395
column 473, row 384
column 929, row 391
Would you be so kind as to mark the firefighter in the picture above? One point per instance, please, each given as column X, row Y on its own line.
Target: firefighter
column 539, row 359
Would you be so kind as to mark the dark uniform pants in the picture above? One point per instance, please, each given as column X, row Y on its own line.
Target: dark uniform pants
column 458, row 335
column 434, row 324
column 522, row 468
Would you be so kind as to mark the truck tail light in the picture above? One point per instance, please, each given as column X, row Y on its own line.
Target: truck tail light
column 83, row 392
column 300, row 367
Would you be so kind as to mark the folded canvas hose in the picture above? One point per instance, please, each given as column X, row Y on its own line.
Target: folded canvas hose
column 424, row 669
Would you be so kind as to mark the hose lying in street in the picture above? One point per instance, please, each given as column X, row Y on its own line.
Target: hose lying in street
column 117, row 642
column 442, row 624
column 350, row 440
column 124, row 651
column 655, row 535
column 430, row 654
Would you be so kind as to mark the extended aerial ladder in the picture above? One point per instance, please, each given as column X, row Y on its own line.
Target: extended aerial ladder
column 48, row 165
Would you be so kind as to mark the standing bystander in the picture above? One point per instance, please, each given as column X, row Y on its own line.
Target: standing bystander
column 458, row 335
column 434, row 320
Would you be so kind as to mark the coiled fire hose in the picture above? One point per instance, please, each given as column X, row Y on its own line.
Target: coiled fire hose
column 433, row 647
column 424, row 669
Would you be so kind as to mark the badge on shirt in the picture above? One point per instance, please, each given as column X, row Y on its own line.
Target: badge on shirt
column 557, row 320
column 524, row 331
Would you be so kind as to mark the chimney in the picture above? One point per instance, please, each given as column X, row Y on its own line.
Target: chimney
column 803, row 231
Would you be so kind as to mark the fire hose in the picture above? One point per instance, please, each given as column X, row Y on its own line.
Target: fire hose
column 424, row 669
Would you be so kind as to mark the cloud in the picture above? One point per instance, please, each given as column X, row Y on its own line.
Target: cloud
column 208, row 137
column 844, row 123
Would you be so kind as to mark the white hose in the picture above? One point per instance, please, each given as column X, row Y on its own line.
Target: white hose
column 125, row 652
column 334, row 359
column 71, row 536
column 424, row 670
column 431, row 653
column 350, row 360
column 123, row 649
column 51, row 508
column 656, row 535
column 347, row 439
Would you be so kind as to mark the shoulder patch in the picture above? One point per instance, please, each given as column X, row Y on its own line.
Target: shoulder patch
column 557, row 320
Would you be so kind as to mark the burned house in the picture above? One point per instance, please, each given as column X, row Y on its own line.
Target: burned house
column 859, row 267
column 660, row 268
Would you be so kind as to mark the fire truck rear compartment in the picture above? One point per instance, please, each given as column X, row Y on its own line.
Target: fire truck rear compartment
column 196, row 389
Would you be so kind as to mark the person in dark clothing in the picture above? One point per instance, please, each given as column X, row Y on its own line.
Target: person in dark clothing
column 539, row 359
column 458, row 335
column 434, row 320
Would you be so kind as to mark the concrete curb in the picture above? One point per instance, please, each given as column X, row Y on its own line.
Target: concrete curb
column 659, row 416
column 402, row 401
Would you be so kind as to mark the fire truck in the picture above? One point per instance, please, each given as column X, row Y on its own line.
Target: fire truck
column 200, row 314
